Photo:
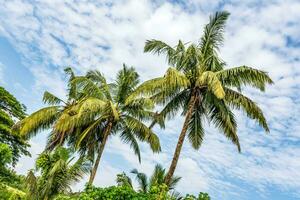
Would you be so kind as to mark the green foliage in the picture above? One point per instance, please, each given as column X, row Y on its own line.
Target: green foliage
column 155, row 180
column 57, row 174
column 95, row 109
column 10, row 193
column 5, row 154
column 201, row 196
column 11, row 109
column 124, row 180
column 127, row 193
column 10, row 104
column 112, row 193
column 8, row 177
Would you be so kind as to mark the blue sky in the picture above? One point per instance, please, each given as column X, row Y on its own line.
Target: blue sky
column 38, row 39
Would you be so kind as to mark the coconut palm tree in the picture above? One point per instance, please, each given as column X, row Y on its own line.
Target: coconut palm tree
column 198, row 84
column 157, row 178
column 103, row 113
column 58, row 173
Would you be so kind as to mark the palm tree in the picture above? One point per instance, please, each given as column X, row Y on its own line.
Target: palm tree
column 157, row 178
column 57, row 174
column 198, row 84
column 103, row 113
column 47, row 117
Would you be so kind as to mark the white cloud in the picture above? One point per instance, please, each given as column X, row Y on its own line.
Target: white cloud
column 54, row 34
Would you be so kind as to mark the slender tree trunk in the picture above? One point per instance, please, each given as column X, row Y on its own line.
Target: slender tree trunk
column 180, row 141
column 100, row 151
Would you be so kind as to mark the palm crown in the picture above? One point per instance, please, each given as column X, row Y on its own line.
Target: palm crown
column 94, row 110
column 198, row 84
column 57, row 174
column 103, row 112
column 157, row 178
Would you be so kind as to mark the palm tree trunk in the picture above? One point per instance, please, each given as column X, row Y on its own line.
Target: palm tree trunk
column 100, row 151
column 180, row 141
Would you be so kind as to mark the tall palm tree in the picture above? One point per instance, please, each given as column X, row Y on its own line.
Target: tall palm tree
column 103, row 113
column 157, row 178
column 198, row 84
column 58, row 173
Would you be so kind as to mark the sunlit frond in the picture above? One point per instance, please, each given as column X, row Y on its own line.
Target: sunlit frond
column 40, row 120
column 174, row 79
column 210, row 80
column 243, row 76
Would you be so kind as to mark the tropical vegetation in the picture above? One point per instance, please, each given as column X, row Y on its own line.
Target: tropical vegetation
column 57, row 173
column 198, row 85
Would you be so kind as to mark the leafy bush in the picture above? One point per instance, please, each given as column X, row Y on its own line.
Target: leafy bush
column 112, row 193
column 127, row 193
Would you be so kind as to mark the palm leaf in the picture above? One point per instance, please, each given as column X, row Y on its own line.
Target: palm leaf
column 243, row 76
column 51, row 99
column 209, row 79
column 142, row 180
column 129, row 138
column 239, row 101
column 213, row 33
column 40, row 120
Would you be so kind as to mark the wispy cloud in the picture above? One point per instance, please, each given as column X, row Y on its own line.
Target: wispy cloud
column 104, row 34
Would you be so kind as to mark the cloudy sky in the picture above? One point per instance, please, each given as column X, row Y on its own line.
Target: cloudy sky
column 38, row 39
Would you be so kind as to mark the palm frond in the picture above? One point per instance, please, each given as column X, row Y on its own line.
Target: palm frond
column 243, row 76
column 127, row 80
column 223, row 118
column 129, row 138
column 158, row 176
column 88, row 87
column 143, row 133
column 213, row 33
column 90, row 128
column 39, row 120
column 99, row 79
column 159, row 47
column 51, row 99
column 195, row 129
column 239, row 101
column 72, row 88
column 210, row 80
column 174, row 182
column 142, row 180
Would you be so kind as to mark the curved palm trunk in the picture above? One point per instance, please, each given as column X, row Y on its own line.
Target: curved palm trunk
column 180, row 141
column 100, row 151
